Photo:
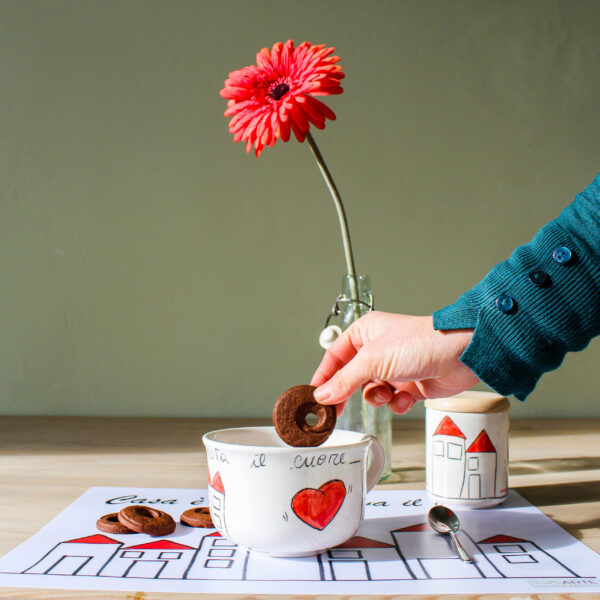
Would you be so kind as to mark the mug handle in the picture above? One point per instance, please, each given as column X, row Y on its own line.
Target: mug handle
column 377, row 463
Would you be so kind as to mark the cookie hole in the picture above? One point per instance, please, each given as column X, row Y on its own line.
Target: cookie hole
column 142, row 511
column 305, row 415
column 311, row 419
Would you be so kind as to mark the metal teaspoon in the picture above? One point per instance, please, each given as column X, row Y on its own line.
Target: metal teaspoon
column 444, row 520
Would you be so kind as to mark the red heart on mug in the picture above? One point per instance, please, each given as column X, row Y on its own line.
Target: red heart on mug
column 318, row 507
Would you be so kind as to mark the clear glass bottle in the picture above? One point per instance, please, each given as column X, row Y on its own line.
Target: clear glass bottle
column 358, row 414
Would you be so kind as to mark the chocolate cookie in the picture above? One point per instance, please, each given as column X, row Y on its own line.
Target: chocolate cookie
column 143, row 519
column 110, row 524
column 290, row 417
column 197, row 517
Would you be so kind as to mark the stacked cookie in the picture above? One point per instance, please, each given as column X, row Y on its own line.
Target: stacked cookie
column 151, row 521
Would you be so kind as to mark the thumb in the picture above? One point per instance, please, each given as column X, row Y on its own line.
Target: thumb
column 345, row 381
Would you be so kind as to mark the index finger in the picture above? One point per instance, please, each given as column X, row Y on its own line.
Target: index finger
column 342, row 351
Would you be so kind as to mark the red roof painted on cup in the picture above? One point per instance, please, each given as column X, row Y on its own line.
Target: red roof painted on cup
column 93, row 539
column 501, row 539
column 448, row 427
column 160, row 545
column 217, row 483
column 482, row 443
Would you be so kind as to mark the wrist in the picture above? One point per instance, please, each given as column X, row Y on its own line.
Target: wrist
column 455, row 340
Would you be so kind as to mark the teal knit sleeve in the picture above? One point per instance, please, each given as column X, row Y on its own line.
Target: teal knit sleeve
column 533, row 308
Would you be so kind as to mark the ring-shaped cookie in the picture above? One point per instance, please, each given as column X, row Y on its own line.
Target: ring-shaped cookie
column 290, row 417
column 110, row 524
column 144, row 519
column 197, row 517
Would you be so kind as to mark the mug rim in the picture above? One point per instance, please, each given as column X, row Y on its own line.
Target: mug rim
column 365, row 439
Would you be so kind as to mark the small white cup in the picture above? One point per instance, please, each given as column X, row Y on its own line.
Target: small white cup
column 281, row 500
column 467, row 449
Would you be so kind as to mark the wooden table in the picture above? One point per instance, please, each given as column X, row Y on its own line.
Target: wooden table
column 47, row 462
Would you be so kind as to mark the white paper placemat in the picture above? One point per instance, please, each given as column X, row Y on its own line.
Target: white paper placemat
column 517, row 550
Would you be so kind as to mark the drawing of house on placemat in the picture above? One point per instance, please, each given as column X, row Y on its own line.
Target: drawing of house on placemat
column 418, row 553
column 153, row 560
column 516, row 557
column 81, row 556
column 429, row 555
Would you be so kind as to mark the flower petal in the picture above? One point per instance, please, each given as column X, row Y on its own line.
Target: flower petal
column 317, row 111
column 284, row 124
column 263, row 58
column 269, row 100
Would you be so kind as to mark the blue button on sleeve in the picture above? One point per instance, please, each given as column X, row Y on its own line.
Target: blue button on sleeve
column 510, row 350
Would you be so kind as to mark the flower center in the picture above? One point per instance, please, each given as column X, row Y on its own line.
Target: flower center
column 279, row 91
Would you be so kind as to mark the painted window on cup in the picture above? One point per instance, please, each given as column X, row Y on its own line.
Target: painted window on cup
column 454, row 451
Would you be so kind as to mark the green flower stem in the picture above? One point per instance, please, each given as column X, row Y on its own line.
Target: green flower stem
column 342, row 219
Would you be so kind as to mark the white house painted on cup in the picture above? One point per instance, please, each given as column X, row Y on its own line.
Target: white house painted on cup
column 216, row 493
column 481, row 465
column 448, row 459
column 458, row 470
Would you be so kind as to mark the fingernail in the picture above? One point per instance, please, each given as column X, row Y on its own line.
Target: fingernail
column 403, row 403
column 322, row 393
column 377, row 394
column 381, row 398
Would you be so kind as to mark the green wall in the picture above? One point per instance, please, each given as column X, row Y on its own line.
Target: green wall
column 150, row 267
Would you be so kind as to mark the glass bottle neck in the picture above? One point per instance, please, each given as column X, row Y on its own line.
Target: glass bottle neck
column 358, row 298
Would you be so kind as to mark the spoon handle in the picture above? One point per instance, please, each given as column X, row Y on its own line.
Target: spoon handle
column 462, row 553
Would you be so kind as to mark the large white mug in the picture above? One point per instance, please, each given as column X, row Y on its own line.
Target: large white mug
column 281, row 500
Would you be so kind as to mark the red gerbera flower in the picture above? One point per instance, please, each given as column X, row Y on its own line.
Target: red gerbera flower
column 268, row 100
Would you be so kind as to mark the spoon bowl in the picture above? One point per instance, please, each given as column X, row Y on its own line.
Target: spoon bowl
column 444, row 520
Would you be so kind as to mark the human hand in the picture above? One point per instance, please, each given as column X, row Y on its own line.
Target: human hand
column 396, row 359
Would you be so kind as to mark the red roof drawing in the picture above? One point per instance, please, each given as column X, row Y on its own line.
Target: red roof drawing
column 93, row 539
column 215, row 534
column 217, row 483
column 362, row 542
column 447, row 427
column 418, row 527
column 482, row 443
column 160, row 545
column 501, row 539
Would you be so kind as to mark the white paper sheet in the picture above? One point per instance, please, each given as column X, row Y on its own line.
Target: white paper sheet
column 517, row 550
